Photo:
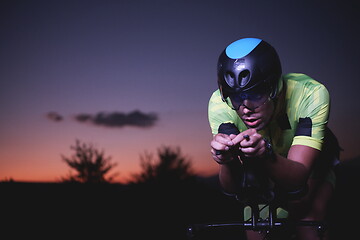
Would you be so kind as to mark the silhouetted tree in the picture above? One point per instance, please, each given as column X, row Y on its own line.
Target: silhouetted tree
column 90, row 165
column 170, row 166
column 8, row 179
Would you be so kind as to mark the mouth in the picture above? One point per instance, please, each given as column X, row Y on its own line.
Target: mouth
column 251, row 122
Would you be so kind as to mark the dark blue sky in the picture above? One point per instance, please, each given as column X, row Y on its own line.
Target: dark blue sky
column 76, row 58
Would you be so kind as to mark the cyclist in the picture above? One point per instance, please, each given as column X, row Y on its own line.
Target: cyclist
column 282, row 127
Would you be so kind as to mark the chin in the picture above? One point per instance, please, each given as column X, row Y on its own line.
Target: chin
column 258, row 127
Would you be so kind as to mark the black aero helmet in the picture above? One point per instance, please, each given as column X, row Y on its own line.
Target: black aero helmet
column 249, row 64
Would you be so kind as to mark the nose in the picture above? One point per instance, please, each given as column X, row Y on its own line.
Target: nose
column 246, row 110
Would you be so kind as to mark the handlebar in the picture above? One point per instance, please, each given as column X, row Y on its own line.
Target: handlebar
column 260, row 225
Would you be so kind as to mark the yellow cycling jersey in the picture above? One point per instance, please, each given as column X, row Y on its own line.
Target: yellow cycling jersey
column 302, row 120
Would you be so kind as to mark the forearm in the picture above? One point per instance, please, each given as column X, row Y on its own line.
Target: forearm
column 230, row 176
column 286, row 173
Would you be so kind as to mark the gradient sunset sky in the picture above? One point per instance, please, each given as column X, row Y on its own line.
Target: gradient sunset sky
column 131, row 76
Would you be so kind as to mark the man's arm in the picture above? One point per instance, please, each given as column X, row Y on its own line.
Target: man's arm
column 230, row 173
column 292, row 173
column 289, row 173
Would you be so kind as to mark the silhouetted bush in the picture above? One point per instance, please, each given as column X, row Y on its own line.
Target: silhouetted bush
column 90, row 164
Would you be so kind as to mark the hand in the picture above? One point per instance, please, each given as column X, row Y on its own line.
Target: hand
column 251, row 146
column 221, row 146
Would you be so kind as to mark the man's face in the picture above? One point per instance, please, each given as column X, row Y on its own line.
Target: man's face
column 256, row 118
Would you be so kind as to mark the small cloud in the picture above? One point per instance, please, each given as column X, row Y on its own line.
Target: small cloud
column 119, row 119
column 54, row 116
column 83, row 117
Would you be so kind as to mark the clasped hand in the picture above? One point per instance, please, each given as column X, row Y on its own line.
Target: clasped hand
column 251, row 146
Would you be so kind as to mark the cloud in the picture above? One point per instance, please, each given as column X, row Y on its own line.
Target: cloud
column 119, row 119
column 54, row 116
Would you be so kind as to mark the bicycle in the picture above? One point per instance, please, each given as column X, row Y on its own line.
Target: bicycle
column 273, row 227
column 257, row 190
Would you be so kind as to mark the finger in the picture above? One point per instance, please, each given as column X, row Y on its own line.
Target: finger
column 223, row 139
column 250, row 152
column 251, row 141
column 238, row 138
column 217, row 146
column 232, row 136
column 246, row 135
column 253, row 151
column 223, row 158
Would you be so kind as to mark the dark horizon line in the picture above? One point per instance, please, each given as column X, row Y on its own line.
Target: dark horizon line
column 350, row 161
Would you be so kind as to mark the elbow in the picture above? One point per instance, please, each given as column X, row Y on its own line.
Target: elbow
column 294, row 190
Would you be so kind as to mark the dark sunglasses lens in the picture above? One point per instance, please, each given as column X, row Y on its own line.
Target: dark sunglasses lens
column 253, row 100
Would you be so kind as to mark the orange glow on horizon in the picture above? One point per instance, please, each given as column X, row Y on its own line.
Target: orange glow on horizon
column 46, row 164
